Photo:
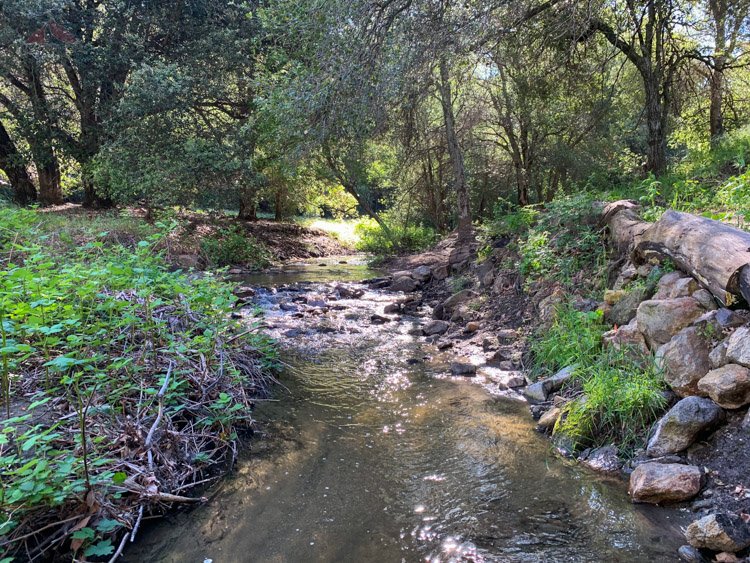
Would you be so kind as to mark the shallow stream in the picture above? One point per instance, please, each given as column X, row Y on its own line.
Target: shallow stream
column 370, row 452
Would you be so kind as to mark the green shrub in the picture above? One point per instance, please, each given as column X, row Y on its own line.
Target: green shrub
column 232, row 246
column 622, row 397
column 403, row 238
column 573, row 338
column 98, row 343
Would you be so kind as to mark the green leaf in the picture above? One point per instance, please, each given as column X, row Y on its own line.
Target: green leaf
column 99, row 549
column 119, row 477
column 107, row 525
column 83, row 534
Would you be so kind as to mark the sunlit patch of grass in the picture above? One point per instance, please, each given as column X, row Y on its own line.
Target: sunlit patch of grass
column 341, row 229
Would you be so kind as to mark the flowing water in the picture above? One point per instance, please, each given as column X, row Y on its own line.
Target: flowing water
column 369, row 452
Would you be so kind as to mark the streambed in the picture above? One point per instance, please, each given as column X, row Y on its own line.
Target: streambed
column 370, row 452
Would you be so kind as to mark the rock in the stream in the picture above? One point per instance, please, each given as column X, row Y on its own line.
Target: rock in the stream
column 719, row 532
column 684, row 422
column 729, row 386
column 403, row 283
column 656, row 483
column 690, row 554
column 379, row 319
column 391, row 308
column 684, row 360
column 435, row 327
column 738, row 347
column 243, row 292
column 660, row 320
column 604, row 459
column 548, row 420
column 348, row 292
column 540, row 390
column 463, row 368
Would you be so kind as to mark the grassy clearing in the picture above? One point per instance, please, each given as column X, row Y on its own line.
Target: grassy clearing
column 123, row 384
column 344, row 230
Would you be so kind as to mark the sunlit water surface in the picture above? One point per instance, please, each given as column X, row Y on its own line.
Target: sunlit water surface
column 370, row 453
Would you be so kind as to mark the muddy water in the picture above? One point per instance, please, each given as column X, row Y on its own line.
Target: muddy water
column 371, row 453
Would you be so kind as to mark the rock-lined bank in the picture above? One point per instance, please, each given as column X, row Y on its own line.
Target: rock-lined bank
column 697, row 453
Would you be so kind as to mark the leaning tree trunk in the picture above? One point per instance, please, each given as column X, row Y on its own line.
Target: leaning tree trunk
column 11, row 162
column 454, row 152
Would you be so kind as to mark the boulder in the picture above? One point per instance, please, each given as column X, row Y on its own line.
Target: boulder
column 472, row 326
column 604, row 459
column 548, row 420
column 379, row 319
column 463, row 368
column 729, row 386
column 403, row 283
column 675, row 284
column 684, row 422
column 542, row 389
column 612, row 296
column 707, row 301
column 627, row 336
column 684, row 360
column 624, row 310
column 422, row 273
column 657, row 483
column 718, row 356
column 719, row 532
column 440, row 273
column 738, row 347
column 660, row 320
column 450, row 304
column 435, row 327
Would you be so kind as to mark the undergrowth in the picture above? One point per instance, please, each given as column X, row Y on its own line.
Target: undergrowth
column 617, row 394
column 123, row 384
column 232, row 246
column 401, row 238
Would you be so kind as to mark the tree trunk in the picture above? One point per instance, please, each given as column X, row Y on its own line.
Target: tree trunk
column 248, row 206
column 48, row 172
column 716, row 112
column 656, row 156
column 454, row 152
column 12, row 163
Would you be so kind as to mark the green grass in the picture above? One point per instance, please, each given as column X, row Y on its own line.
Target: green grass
column 622, row 397
column 572, row 338
column 402, row 238
column 344, row 230
column 619, row 393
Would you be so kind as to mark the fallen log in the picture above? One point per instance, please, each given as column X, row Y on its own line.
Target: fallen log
column 624, row 224
column 715, row 254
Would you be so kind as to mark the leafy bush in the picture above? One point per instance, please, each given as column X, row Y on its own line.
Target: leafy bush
column 622, row 397
column 573, row 338
column 230, row 247
column 402, row 238
column 99, row 344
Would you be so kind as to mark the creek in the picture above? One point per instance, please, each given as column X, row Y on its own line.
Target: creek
column 370, row 451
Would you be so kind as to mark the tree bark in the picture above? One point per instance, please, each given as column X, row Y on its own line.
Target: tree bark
column 656, row 123
column 48, row 172
column 454, row 151
column 715, row 254
column 12, row 163
column 248, row 206
column 716, row 111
